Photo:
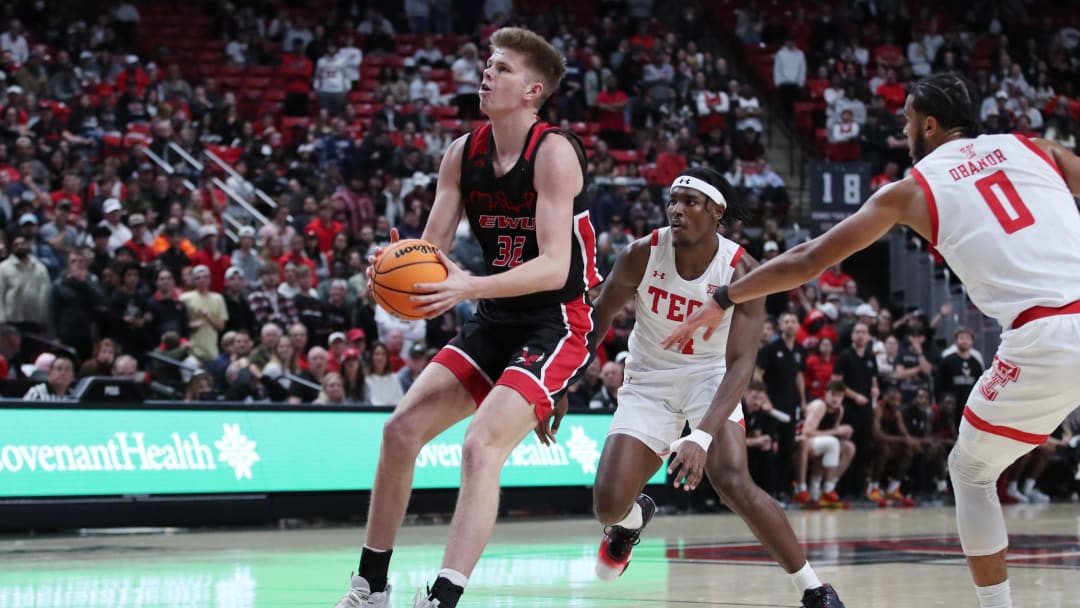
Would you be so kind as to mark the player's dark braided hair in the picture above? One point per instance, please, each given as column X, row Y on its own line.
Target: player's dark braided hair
column 950, row 99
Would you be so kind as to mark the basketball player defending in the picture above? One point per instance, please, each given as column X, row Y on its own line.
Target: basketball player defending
column 671, row 273
column 519, row 181
column 1000, row 209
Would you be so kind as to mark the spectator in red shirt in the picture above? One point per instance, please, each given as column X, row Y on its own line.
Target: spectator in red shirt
column 888, row 176
column 324, row 226
column 297, row 70
column 892, row 92
column 669, row 163
column 353, row 205
column 888, row 55
column 209, row 256
column 610, row 116
column 140, row 244
column 134, row 74
column 69, row 190
column 296, row 256
column 815, row 86
column 819, row 369
column 833, row 280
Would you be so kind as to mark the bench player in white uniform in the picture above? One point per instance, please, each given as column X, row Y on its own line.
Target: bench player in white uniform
column 671, row 273
column 1000, row 210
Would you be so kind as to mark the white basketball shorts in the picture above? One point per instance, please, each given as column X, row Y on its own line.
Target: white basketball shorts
column 1027, row 392
column 655, row 406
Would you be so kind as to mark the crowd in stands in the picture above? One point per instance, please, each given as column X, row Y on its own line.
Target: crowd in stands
column 333, row 121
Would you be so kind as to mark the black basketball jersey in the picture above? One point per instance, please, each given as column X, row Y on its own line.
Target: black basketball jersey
column 502, row 213
column 830, row 420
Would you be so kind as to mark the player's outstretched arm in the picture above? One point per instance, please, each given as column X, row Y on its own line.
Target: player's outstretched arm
column 621, row 283
column 1066, row 161
column 744, row 337
column 891, row 205
column 446, row 210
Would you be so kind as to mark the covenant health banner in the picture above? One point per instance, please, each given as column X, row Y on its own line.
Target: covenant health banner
column 89, row 452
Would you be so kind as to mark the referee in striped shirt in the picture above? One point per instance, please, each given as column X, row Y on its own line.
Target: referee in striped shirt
column 58, row 386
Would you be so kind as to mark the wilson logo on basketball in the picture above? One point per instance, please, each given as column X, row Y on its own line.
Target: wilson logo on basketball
column 425, row 249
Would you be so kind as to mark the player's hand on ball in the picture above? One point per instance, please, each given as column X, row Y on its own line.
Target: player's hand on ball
column 546, row 429
column 708, row 316
column 375, row 253
column 457, row 287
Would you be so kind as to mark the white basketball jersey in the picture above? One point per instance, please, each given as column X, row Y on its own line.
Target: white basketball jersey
column 665, row 299
column 1005, row 221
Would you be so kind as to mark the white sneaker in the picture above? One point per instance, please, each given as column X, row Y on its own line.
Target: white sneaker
column 1037, row 498
column 421, row 600
column 1018, row 495
column 360, row 596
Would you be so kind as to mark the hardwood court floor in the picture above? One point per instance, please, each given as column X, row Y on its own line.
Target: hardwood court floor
column 887, row 558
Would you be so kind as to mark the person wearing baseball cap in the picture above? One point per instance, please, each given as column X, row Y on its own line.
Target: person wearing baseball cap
column 336, row 344
column 118, row 232
column 236, row 303
column 210, row 256
column 245, row 256
column 140, row 241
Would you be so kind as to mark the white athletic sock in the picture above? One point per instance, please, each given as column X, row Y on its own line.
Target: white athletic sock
column 893, row 486
column 994, row 596
column 1011, row 488
column 942, row 485
column 632, row 521
column 454, row 577
column 830, row 485
column 800, row 487
column 1029, row 485
column 805, row 578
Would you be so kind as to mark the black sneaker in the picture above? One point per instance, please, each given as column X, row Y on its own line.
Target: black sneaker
column 618, row 543
column 821, row 597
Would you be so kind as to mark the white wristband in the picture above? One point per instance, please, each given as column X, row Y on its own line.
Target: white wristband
column 697, row 436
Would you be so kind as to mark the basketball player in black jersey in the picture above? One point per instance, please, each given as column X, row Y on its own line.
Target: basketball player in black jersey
column 826, row 448
column 519, row 182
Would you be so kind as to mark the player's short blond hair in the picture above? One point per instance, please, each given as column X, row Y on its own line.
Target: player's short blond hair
column 541, row 57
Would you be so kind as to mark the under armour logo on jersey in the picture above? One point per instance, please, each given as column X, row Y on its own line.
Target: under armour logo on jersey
column 969, row 150
column 712, row 288
column 657, row 273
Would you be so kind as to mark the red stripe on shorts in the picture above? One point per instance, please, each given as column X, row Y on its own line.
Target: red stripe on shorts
column 1003, row 431
column 466, row 370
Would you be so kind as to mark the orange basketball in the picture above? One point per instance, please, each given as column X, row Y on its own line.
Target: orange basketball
column 398, row 268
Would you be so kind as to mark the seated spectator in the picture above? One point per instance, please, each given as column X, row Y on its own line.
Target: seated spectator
column 581, row 392
column 352, row 375
column 333, row 390
column 201, row 387
column 126, row 367
column 383, row 387
column 894, row 448
column 825, row 448
column 611, row 377
column 316, row 373
column 269, row 335
column 101, row 363
column 282, row 362
column 58, row 385
column 417, row 360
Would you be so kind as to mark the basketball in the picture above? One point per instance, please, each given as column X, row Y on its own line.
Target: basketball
column 400, row 266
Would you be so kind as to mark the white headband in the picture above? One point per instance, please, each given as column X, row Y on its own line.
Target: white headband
column 702, row 186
